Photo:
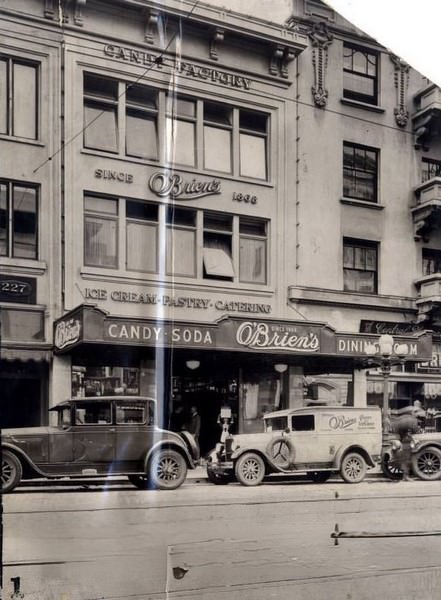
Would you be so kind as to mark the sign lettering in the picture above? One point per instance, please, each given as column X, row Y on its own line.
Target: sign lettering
column 67, row 333
column 260, row 335
column 135, row 332
column 167, row 185
column 114, row 175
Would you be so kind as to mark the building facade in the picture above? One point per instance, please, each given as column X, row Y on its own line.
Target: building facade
column 212, row 209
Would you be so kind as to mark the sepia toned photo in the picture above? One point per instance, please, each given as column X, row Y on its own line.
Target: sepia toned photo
column 220, row 305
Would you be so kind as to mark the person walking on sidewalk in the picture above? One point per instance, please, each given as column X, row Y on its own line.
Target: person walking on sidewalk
column 194, row 424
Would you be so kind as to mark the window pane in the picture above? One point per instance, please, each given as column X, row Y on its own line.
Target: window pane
column 217, row 113
column 218, row 263
column 100, row 127
column 253, row 121
column 252, row 261
column 180, row 142
column 24, row 101
column 218, row 222
column 181, row 216
column 3, row 220
column 252, row 156
column 181, row 107
column 24, row 228
column 141, row 136
column 141, row 95
column 141, row 210
column 3, row 96
column 359, row 258
column 359, row 281
column 101, row 87
column 217, row 149
column 371, row 259
column 252, row 226
column 100, row 242
column 142, row 244
column 102, row 205
column 22, row 325
column 359, row 84
column 181, row 252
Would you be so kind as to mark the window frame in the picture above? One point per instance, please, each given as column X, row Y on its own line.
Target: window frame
column 361, row 245
column 10, row 62
column 356, row 173
column 433, row 169
column 430, row 255
column 106, row 217
column 10, row 219
column 350, row 93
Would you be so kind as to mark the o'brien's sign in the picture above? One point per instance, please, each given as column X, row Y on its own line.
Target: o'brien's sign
column 258, row 335
column 67, row 333
column 167, row 185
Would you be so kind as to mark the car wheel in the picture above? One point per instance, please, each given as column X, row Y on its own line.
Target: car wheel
column 139, row 481
column 319, row 476
column 353, row 468
column 12, row 471
column 250, row 469
column 426, row 463
column 168, row 470
column 218, row 478
column 390, row 468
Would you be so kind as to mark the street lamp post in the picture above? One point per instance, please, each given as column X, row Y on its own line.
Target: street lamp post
column 385, row 361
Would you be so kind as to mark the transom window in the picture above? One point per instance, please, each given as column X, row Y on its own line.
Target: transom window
column 146, row 237
column 174, row 129
column 18, row 220
column 19, row 105
column 360, row 74
column 431, row 261
column 360, row 266
column 360, row 172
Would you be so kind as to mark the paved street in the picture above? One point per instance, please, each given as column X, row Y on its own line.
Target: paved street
column 215, row 542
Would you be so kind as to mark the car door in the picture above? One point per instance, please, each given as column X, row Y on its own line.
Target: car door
column 93, row 433
column 61, row 438
column 304, row 438
column 135, row 425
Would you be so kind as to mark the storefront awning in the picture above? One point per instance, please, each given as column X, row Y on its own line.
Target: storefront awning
column 25, row 354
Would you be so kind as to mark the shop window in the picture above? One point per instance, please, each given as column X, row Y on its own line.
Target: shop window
column 252, row 250
column 18, row 220
column 19, row 105
column 253, row 144
column 141, row 122
column 22, row 325
column 431, row 261
column 181, row 242
column 218, row 122
column 180, row 131
column 141, row 236
column 430, row 169
column 360, row 266
column 360, row 74
column 100, row 113
column 100, row 232
column 217, row 252
column 360, row 172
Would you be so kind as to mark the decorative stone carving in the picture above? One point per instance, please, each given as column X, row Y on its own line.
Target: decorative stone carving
column 49, row 9
column 151, row 26
column 216, row 38
column 401, row 80
column 276, row 57
column 78, row 15
column 321, row 39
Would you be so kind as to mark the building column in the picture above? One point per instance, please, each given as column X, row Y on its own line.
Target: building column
column 359, row 387
column 60, row 384
column 295, row 389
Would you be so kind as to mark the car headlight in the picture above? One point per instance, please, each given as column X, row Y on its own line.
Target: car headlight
column 396, row 445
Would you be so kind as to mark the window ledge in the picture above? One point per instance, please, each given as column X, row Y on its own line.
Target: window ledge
column 364, row 105
column 19, row 140
column 10, row 265
column 363, row 203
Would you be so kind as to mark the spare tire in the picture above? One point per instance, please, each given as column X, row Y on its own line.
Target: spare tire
column 192, row 445
column 281, row 452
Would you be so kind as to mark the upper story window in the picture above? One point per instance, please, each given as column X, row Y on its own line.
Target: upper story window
column 360, row 266
column 172, row 240
column 430, row 168
column 360, row 74
column 19, row 105
column 360, row 172
column 18, row 220
column 431, row 261
column 174, row 129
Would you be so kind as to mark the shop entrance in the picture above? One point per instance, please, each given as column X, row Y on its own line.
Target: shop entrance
column 20, row 404
column 208, row 395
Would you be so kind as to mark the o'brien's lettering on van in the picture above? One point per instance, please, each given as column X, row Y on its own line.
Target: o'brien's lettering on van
column 167, row 185
column 260, row 335
column 341, row 422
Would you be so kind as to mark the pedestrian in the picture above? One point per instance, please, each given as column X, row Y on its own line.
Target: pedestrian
column 405, row 456
column 194, row 424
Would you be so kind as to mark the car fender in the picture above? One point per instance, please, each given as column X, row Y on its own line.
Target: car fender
column 425, row 444
column 172, row 444
column 26, row 462
column 351, row 448
column 268, row 462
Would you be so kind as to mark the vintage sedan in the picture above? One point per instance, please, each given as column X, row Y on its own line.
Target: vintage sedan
column 96, row 437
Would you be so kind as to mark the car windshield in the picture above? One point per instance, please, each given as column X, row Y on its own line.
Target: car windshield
column 275, row 424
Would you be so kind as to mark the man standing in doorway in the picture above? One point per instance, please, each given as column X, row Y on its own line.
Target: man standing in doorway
column 194, row 424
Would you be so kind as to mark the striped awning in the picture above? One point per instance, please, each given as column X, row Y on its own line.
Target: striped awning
column 26, row 354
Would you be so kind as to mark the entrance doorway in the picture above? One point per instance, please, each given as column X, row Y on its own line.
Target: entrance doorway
column 20, row 404
column 208, row 395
